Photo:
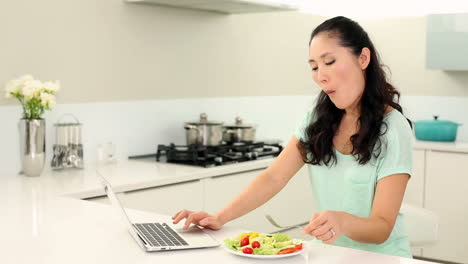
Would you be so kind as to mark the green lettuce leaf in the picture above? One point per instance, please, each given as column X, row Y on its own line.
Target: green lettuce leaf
column 266, row 250
column 232, row 243
column 283, row 244
column 280, row 237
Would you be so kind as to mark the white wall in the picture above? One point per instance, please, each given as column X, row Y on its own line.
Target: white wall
column 109, row 50
column 401, row 43
column 136, row 127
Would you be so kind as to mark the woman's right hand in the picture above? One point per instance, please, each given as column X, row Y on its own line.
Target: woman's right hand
column 200, row 218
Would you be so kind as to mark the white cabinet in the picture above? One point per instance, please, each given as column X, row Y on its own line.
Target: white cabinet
column 439, row 183
column 414, row 193
column 446, row 41
column 293, row 205
column 219, row 191
column 166, row 199
column 447, row 196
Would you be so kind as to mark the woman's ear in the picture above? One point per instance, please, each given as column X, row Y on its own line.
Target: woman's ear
column 364, row 58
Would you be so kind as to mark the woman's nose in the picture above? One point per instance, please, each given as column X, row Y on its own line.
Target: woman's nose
column 322, row 76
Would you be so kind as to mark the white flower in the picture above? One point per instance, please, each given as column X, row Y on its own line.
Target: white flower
column 16, row 86
column 52, row 87
column 32, row 89
column 34, row 95
column 48, row 100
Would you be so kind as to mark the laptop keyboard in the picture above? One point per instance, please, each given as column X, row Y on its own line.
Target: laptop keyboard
column 160, row 235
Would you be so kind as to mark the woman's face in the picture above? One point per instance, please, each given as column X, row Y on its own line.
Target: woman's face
column 337, row 71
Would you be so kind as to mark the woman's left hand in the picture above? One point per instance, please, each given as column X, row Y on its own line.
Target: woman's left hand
column 325, row 226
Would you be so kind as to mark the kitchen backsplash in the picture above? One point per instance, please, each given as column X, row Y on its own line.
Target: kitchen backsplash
column 136, row 127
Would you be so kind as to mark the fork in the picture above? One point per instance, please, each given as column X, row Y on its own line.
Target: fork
column 274, row 223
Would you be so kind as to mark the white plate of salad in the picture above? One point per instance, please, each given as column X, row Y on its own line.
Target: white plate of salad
column 263, row 246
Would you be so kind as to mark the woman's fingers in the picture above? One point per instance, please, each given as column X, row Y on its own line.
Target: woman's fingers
column 324, row 226
column 331, row 239
column 173, row 217
column 188, row 221
column 326, row 235
column 321, row 231
column 197, row 218
column 316, row 221
column 194, row 218
column 181, row 215
column 178, row 216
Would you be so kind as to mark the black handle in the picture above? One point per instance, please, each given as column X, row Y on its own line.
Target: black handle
column 436, row 117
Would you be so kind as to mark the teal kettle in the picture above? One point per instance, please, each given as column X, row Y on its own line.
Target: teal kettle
column 436, row 130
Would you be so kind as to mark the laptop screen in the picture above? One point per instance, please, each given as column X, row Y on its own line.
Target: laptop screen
column 114, row 200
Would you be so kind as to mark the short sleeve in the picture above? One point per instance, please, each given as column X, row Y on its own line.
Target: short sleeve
column 397, row 153
column 301, row 128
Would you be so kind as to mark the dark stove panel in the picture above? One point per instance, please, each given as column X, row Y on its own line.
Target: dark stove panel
column 209, row 156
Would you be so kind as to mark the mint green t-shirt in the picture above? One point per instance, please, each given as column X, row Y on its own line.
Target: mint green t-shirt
column 348, row 186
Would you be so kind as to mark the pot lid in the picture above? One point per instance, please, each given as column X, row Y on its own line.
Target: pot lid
column 204, row 121
column 437, row 121
column 239, row 124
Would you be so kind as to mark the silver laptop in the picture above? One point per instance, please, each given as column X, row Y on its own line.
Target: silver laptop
column 159, row 236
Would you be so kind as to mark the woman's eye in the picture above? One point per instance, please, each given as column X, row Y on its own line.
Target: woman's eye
column 314, row 68
column 330, row 63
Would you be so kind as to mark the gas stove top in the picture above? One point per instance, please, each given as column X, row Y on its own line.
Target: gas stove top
column 210, row 156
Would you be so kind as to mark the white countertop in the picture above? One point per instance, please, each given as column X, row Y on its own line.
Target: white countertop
column 457, row 146
column 44, row 222
column 135, row 174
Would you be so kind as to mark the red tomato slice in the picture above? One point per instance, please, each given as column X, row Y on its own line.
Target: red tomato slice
column 255, row 244
column 244, row 241
column 247, row 250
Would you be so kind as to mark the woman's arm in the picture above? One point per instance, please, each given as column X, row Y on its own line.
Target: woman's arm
column 260, row 190
column 266, row 185
column 374, row 229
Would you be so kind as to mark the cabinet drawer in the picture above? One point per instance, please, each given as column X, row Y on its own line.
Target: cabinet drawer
column 446, row 195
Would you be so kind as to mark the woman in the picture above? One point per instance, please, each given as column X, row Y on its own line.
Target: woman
column 357, row 145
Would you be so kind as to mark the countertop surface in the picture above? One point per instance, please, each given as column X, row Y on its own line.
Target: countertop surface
column 457, row 146
column 44, row 221
column 134, row 175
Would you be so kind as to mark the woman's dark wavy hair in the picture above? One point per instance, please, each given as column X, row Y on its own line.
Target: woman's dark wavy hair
column 377, row 95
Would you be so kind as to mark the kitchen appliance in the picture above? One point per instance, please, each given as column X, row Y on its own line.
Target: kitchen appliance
column 239, row 132
column 210, row 156
column 68, row 147
column 436, row 130
column 204, row 132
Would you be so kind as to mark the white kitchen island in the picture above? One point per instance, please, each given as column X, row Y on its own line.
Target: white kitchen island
column 44, row 221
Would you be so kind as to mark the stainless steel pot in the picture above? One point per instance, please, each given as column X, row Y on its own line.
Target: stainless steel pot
column 239, row 132
column 203, row 132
